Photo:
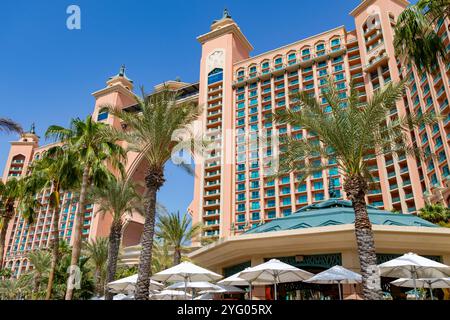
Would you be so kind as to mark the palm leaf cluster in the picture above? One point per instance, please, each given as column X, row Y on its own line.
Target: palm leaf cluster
column 346, row 132
column 436, row 213
column 416, row 39
column 8, row 125
column 176, row 231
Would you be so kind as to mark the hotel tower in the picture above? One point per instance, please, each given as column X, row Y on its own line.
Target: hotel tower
column 239, row 92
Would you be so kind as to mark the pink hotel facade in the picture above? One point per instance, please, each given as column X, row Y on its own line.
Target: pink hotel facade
column 239, row 92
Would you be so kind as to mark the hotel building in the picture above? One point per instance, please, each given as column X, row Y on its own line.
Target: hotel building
column 239, row 93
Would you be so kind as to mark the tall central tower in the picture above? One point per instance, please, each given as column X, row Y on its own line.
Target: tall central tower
column 222, row 47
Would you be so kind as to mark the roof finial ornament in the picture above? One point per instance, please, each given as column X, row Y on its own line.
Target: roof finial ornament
column 226, row 14
column 122, row 71
column 33, row 128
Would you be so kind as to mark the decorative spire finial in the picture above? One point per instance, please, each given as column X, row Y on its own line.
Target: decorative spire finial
column 226, row 14
column 33, row 128
column 122, row 71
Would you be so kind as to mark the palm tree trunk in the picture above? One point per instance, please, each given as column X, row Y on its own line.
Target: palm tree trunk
column 113, row 254
column 176, row 256
column 34, row 291
column 98, row 280
column 55, row 253
column 78, row 235
column 153, row 181
column 6, row 219
column 356, row 189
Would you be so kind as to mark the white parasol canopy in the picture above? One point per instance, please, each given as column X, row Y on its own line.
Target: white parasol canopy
column 413, row 266
column 275, row 271
column 170, row 295
column 429, row 283
column 186, row 272
column 128, row 284
column 336, row 274
column 202, row 285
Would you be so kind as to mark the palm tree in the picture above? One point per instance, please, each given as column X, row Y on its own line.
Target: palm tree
column 15, row 289
column 97, row 251
column 9, row 126
column 161, row 258
column 118, row 198
column 416, row 39
column 41, row 261
column 151, row 135
column 436, row 213
column 95, row 144
column 343, row 137
column 176, row 231
column 9, row 194
column 57, row 170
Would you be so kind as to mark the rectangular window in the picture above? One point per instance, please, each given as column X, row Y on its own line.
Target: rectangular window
column 285, row 190
column 255, row 215
column 255, row 205
column 318, row 196
column 318, row 185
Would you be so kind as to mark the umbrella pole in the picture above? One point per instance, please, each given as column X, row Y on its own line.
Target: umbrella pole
column 339, row 288
column 275, row 287
column 414, row 283
column 431, row 290
column 185, row 288
column 251, row 295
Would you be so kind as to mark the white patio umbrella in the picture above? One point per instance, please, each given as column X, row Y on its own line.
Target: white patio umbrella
column 128, row 284
column 193, row 285
column 275, row 271
column 119, row 296
column 186, row 272
column 430, row 283
column 235, row 280
column 205, row 296
column 336, row 274
column 170, row 295
column 227, row 289
column 198, row 285
column 413, row 266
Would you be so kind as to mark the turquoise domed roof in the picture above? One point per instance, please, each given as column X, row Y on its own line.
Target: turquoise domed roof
column 337, row 212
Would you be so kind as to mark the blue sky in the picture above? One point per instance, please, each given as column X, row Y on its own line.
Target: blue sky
column 47, row 72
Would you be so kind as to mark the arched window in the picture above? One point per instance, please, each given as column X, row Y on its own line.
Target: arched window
column 18, row 159
column 215, row 75
column 103, row 114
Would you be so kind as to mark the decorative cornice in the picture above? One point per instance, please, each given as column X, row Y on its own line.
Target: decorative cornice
column 365, row 3
column 231, row 28
column 113, row 88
